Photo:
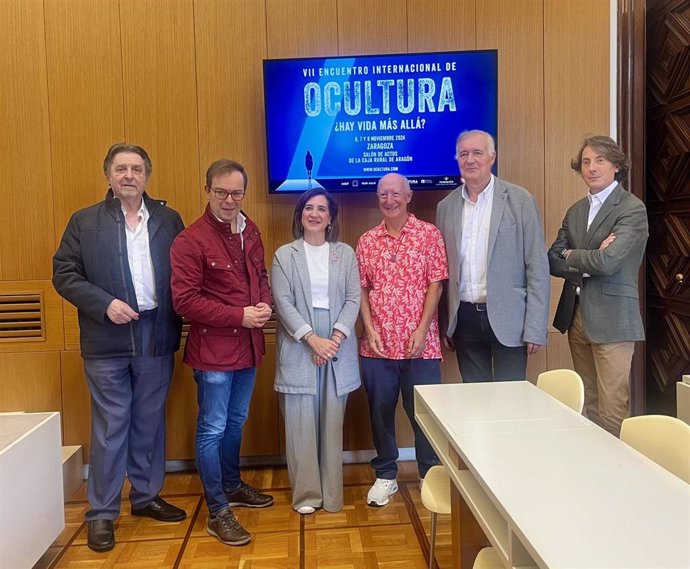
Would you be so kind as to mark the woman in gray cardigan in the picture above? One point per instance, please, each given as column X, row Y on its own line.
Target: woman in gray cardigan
column 315, row 284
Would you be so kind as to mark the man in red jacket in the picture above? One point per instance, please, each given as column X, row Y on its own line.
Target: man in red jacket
column 219, row 282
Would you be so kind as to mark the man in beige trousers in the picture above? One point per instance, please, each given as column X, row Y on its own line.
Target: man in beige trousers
column 598, row 251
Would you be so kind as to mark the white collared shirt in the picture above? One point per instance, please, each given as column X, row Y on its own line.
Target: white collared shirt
column 595, row 203
column 597, row 200
column 241, row 225
column 474, row 248
column 140, row 262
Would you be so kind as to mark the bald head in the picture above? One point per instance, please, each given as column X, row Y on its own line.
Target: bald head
column 394, row 194
column 393, row 180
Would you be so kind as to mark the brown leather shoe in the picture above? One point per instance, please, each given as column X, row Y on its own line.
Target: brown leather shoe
column 248, row 497
column 101, row 536
column 160, row 510
column 227, row 529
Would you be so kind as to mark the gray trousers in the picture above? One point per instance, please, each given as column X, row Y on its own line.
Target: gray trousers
column 314, row 438
column 127, row 429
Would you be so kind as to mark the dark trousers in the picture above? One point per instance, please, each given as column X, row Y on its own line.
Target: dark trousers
column 127, row 427
column 481, row 357
column 384, row 380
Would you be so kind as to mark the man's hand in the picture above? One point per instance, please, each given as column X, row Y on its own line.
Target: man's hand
column 532, row 348
column 375, row 343
column 120, row 312
column 415, row 345
column 256, row 316
column 448, row 343
column 606, row 242
column 264, row 306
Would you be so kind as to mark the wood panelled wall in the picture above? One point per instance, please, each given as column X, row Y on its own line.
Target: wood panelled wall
column 183, row 79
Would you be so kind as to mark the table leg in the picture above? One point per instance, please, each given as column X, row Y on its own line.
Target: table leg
column 467, row 536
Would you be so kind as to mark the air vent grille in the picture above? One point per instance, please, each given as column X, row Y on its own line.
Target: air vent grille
column 21, row 317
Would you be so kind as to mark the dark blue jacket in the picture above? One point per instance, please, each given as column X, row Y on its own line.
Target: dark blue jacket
column 90, row 269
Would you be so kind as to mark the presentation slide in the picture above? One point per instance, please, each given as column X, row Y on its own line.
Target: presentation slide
column 341, row 123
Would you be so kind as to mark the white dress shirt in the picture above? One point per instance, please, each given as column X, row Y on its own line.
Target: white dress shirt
column 140, row 262
column 241, row 221
column 596, row 201
column 474, row 248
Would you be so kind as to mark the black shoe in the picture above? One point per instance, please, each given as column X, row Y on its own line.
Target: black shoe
column 101, row 535
column 160, row 510
column 248, row 497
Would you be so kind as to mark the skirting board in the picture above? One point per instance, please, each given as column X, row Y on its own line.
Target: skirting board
column 349, row 457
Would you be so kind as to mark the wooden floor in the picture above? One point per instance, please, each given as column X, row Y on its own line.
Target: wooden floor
column 395, row 536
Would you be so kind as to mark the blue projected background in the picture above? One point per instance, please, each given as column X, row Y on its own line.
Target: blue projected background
column 343, row 122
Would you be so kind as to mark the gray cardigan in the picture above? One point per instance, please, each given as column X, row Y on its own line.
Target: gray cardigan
column 291, row 287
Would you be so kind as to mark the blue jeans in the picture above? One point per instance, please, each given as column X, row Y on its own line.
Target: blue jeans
column 384, row 380
column 223, row 398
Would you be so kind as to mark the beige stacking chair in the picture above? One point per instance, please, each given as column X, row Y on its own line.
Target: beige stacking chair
column 487, row 558
column 436, row 499
column 565, row 385
column 663, row 439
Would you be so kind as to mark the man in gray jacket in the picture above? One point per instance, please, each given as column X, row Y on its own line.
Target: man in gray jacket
column 598, row 251
column 496, row 303
column 113, row 264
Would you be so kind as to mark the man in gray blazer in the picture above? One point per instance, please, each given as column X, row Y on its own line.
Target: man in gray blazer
column 598, row 252
column 496, row 302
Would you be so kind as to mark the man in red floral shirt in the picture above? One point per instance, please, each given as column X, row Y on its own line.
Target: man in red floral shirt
column 402, row 263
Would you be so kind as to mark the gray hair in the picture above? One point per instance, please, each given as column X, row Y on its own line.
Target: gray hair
column 490, row 142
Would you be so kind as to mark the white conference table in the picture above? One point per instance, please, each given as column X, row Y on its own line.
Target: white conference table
column 32, row 513
column 548, row 487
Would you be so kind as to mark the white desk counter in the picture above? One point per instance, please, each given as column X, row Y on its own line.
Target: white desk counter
column 31, row 501
column 548, row 487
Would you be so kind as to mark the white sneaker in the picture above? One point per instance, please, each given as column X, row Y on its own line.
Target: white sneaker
column 379, row 492
column 305, row 510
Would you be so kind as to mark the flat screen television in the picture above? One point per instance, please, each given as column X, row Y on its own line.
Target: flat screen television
column 343, row 122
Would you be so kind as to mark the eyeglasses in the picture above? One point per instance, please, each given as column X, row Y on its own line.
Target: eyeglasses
column 222, row 195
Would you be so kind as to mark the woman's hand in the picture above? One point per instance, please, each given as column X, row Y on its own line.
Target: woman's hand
column 322, row 347
column 318, row 362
